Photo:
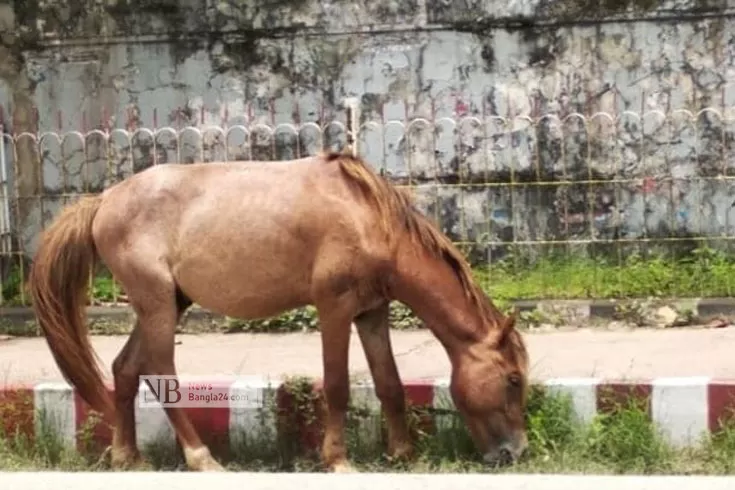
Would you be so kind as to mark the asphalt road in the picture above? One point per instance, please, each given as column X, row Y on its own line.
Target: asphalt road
column 581, row 353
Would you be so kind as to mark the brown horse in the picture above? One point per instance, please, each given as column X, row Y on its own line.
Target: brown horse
column 251, row 240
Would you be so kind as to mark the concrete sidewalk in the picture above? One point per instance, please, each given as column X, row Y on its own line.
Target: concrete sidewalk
column 582, row 353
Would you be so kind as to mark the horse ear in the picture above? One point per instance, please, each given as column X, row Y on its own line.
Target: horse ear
column 508, row 325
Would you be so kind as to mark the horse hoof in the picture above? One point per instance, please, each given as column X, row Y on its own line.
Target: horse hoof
column 403, row 452
column 128, row 461
column 343, row 468
column 212, row 466
column 200, row 459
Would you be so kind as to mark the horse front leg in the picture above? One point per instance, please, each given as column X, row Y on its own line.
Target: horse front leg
column 335, row 335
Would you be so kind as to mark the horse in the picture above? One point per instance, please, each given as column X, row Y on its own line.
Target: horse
column 252, row 239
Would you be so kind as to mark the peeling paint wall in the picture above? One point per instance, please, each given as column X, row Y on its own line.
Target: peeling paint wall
column 139, row 63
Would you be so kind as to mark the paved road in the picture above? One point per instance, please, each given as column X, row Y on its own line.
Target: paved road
column 609, row 354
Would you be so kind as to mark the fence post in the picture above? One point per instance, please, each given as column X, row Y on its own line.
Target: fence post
column 352, row 108
column 5, row 228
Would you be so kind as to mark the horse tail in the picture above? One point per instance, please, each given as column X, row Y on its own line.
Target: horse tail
column 58, row 284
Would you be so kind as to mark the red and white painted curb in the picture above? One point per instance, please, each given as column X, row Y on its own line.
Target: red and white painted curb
column 683, row 408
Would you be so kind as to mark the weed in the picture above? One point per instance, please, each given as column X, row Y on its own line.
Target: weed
column 628, row 442
column 635, row 312
column 301, row 319
column 45, row 449
column 718, row 448
column 550, row 422
column 104, row 288
column 622, row 440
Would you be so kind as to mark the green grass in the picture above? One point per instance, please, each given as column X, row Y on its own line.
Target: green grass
column 705, row 272
column 623, row 441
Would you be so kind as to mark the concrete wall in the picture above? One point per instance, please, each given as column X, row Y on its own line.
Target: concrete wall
column 138, row 63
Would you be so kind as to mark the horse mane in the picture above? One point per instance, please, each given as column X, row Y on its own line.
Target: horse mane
column 396, row 205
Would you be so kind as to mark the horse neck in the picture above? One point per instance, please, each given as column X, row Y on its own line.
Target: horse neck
column 431, row 289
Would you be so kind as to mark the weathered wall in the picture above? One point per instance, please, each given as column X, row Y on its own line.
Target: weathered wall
column 133, row 63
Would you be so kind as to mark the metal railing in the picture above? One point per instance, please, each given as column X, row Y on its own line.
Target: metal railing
column 501, row 187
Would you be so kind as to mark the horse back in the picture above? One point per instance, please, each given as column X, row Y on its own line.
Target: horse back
column 306, row 199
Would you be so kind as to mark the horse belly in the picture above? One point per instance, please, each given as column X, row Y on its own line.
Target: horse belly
column 249, row 250
column 256, row 278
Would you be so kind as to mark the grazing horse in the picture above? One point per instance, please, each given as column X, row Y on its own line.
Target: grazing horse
column 252, row 240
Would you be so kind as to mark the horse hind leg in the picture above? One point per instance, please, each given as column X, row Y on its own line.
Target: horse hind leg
column 373, row 330
column 126, row 370
column 154, row 297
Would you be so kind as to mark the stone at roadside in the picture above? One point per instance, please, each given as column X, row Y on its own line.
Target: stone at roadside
column 665, row 317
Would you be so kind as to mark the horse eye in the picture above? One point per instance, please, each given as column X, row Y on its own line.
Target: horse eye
column 514, row 380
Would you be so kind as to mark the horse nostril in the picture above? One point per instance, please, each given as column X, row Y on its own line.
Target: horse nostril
column 499, row 458
column 505, row 457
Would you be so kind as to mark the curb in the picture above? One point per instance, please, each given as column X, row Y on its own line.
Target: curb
column 683, row 408
column 581, row 309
